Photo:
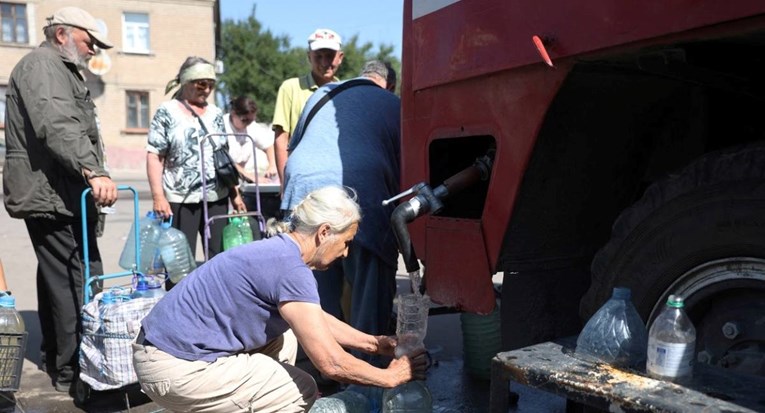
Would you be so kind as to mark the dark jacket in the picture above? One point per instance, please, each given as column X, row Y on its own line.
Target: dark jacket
column 51, row 133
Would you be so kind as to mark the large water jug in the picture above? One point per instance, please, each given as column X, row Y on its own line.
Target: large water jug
column 175, row 252
column 147, row 287
column 148, row 234
column 343, row 402
column 236, row 232
column 615, row 334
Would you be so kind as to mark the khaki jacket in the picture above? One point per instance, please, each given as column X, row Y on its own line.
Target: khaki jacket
column 51, row 133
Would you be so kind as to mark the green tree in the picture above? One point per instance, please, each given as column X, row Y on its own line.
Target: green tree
column 257, row 61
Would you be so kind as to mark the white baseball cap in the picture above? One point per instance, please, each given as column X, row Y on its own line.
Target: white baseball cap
column 324, row 39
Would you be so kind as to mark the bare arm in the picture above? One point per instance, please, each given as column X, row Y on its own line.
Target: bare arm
column 281, row 139
column 271, row 170
column 315, row 331
column 154, row 167
column 244, row 174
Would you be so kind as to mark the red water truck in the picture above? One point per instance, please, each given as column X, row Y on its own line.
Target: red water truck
column 578, row 146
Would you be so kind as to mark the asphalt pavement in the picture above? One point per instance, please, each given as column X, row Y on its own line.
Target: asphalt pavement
column 451, row 386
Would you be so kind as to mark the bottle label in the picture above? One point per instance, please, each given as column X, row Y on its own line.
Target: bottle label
column 670, row 359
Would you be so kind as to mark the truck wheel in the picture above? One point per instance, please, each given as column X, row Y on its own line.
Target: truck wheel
column 700, row 234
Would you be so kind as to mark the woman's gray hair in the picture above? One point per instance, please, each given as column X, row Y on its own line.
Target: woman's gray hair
column 331, row 205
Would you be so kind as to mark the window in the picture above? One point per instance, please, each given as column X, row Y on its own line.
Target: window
column 135, row 37
column 137, row 109
column 13, row 19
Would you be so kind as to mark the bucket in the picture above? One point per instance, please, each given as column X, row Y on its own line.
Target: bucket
column 481, row 341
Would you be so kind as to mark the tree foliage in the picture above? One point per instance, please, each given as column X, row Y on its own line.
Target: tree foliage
column 257, row 61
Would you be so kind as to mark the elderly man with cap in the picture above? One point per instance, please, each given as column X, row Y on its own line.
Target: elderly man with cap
column 325, row 56
column 173, row 159
column 54, row 152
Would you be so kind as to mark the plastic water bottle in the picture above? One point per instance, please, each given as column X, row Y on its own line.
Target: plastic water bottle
column 11, row 334
column 10, row 319
column 411, row 328
column 175, row 252
column 341, row 402
column 372, row 393
column 148, row 232
column 615, row 334
column 412, row 397
column 672, row 343
column 236, row 232
column 148, row 287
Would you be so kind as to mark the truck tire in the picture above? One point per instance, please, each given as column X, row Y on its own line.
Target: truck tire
column 701, row 234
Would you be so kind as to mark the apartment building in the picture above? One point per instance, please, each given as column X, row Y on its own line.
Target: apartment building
column 151, row 39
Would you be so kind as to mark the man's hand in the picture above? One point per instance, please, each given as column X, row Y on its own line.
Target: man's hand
column 104, row 190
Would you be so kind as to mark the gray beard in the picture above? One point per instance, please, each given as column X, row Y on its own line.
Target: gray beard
column 70, row 51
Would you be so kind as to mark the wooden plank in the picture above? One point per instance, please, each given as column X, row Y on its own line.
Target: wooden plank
column 551, row 366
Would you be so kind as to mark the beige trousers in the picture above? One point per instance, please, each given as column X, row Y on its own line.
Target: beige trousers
column 264, row 380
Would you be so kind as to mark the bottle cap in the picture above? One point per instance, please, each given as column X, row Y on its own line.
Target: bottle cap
column 7, row 301
column 675, row 301
column 108, row 298
column 142, row 285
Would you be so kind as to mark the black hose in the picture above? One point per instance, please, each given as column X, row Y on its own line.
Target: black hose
column 402, row 215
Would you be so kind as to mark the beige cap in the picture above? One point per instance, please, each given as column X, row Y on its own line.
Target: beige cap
column 74, row 16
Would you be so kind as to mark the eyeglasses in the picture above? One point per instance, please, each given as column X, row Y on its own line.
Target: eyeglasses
column 202, row 85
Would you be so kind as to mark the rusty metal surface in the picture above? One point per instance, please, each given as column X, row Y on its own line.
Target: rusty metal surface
column 551, row 366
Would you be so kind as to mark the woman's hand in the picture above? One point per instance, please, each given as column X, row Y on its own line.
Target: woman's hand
column 411, row 367
column 386, row 345
column 237, row 202
column 270, row 171
column 162, row 207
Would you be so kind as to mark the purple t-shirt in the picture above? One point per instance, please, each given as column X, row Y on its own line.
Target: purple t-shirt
column 230, row 304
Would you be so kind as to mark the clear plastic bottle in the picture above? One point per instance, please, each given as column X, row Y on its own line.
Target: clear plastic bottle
column 147, row 287
column 412, row 397
column 10, row 319
column 372, row 393
column 175, row 252
column 411, row 328
column 615, row 334
column 148, row 232
column 672, row 343
column 11, row 329
column 342, row 402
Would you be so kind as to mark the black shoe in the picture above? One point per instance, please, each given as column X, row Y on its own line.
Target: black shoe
column 64, row 379
column 7, row 402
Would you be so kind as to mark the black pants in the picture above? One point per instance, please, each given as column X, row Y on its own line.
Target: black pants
column 189, row 219
column 60, row 278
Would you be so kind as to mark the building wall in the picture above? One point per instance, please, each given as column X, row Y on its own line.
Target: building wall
column 177, row 29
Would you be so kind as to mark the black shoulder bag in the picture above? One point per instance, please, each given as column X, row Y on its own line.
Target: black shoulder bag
column 225, row 169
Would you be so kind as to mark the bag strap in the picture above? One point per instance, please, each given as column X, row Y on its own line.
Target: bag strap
column 201, row 122
column 324, row 99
